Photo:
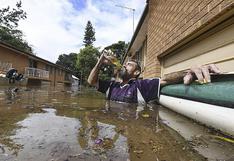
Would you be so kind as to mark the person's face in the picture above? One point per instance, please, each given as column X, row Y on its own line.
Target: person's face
column 128, row 71
column 130, row 67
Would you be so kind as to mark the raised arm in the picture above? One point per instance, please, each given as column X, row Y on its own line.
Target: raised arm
column 93, row 76
column 202, row 74
column 173, row 78
column 104, row 59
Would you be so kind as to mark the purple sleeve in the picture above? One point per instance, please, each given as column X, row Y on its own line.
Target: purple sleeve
column 103, row 85
column 149, row 88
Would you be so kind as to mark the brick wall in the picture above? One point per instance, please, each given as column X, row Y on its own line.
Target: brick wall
column 170, row 21
column 18, row 61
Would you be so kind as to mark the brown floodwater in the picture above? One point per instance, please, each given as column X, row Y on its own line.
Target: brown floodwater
column 47, row 124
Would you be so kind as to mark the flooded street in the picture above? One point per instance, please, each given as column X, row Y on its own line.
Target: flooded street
column 63, row 125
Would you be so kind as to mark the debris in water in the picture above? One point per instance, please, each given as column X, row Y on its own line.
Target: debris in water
column 164, row 122
column 145, row 115
column 98, row 141
column 223, row 138
column 28, row 106
column 138, row 151
column 2, row 148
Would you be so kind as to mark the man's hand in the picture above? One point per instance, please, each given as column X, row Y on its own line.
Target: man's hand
column 202, row 74
column 107, row 57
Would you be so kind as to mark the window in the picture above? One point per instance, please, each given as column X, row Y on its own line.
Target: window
column 47, row 67
column 32, row 63
column 140, row 56
column 68, row 76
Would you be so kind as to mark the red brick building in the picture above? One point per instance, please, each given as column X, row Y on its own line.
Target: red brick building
column 173, row 35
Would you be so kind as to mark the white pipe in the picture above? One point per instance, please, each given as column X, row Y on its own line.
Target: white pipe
column 218, row 117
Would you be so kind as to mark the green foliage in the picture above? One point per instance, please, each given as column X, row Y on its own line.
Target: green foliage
column 10, row 19
column 87, row 57
column 8, row 27
column 86, row 60
column 68, row 62
column 106, row 72
column 14, row 38
column 89, row 36
column 118, row 48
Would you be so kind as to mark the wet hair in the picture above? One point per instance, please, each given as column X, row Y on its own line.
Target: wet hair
column 138, row 66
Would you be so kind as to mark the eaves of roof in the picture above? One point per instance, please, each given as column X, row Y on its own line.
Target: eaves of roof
column 143, row 16
column 10, row 47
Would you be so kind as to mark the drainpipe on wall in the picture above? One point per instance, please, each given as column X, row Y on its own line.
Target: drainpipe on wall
column 55, row 76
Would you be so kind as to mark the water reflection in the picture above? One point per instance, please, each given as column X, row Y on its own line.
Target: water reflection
column 101, row 139
column 46, row 132
column 54, row 124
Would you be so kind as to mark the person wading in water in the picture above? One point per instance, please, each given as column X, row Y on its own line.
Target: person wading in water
column 130, row 89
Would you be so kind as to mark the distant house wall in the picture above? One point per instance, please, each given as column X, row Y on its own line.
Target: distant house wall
column 172, row 21
column 40, row 65
column 63, row 76
column 59, row 76
column 18, row 61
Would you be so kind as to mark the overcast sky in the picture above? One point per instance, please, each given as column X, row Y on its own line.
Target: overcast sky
column 55, row 27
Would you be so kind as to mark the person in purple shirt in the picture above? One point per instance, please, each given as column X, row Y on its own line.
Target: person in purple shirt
column 132, row 90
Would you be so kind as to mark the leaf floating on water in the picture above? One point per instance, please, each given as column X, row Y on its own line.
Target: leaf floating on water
column 223, row 138
column 138, row 151
column 145, row 115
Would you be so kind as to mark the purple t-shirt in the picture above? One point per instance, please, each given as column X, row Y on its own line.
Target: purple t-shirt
column 147, row 89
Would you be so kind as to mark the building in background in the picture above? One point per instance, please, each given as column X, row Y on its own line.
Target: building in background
column 36, row 70
column 175, row 35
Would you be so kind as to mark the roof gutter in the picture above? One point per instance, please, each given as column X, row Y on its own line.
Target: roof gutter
column 10, row 47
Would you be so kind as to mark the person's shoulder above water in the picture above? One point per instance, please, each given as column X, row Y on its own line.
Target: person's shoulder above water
column 104, row 85
column 148, row 81
column 149, row 88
